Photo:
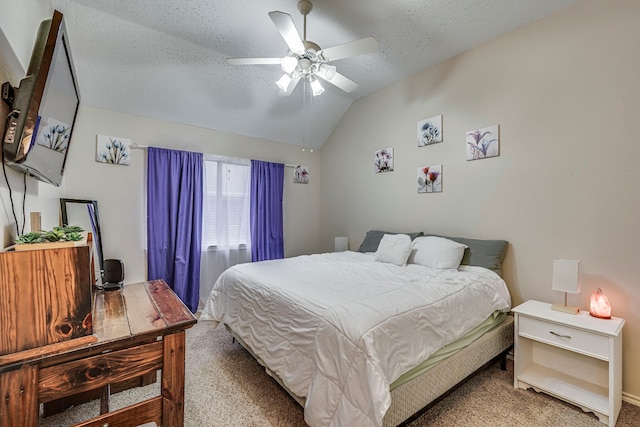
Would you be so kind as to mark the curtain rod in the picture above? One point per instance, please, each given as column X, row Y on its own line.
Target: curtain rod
column 135, row 146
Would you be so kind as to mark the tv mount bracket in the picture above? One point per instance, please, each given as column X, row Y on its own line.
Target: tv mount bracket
column 8, row 95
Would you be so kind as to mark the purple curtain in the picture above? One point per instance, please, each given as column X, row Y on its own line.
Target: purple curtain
column 267, row 187
column 174, row 221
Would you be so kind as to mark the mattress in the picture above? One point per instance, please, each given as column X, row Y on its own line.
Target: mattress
column 338, row 329
column 452, row 348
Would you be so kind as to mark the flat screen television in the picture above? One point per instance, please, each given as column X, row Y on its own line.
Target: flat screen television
column 43, row 108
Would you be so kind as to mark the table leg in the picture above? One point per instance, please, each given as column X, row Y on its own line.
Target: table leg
column 19, row 391
column 173, row 380
column 105, row 395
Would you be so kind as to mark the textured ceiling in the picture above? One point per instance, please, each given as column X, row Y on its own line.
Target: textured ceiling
column 165, row 58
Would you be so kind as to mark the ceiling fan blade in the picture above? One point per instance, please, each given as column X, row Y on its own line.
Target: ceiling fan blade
column 287, row 28
column 356, row 47
column 253, row 61
column 292, row 85
column 340, row 81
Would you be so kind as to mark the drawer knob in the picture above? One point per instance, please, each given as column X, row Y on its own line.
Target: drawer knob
column 560, row 335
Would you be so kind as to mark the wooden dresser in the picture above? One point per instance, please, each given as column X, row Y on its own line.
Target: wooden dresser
column 137, row 331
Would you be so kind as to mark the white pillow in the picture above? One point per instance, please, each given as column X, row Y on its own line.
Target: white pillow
column 394, row 249
column 437, row 252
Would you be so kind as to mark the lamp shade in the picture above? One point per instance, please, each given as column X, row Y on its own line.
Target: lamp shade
column 316, row 87
column 341, row 244
column 289, row 64
column 566, row 275
column 284, row 81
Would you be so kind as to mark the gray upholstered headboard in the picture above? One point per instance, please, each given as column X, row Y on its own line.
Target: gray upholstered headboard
column 480, row 252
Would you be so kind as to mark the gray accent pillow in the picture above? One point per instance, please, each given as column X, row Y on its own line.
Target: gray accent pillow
column 483, row 253
column 373, row 237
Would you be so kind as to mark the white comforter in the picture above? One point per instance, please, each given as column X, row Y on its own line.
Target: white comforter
column 338, row 328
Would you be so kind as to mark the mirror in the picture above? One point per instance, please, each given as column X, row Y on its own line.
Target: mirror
column 85, row 214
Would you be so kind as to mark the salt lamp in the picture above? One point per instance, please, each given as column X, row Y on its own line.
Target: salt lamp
column 600, row 306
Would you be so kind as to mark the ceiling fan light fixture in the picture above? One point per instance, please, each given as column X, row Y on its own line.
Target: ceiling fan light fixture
column 305, row 59
column 316, row 87
column 284, row 82
column 289, row 64
column 327, row 71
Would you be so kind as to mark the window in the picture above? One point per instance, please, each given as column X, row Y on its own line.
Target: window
column 226, row 203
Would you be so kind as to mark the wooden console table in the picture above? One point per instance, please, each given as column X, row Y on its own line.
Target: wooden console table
column 137, row 331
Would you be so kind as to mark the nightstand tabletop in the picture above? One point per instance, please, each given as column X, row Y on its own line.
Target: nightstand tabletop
column 582, row 320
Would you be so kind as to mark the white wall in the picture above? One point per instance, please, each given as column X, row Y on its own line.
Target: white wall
column 565, row 93
column 19, row 22
column 120, row 190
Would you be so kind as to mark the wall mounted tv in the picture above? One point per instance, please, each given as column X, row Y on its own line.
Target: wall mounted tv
column 43, row 107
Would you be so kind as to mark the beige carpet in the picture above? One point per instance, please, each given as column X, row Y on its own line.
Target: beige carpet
column 225, row 387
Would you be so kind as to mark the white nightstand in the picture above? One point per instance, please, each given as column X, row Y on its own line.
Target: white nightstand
column 576, row 358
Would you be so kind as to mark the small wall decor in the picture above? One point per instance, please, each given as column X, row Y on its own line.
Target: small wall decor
column 111, row 149
column 430, row 179
column 383, row 160
column 483, row 143
column 430, row 131
column 301, row 175
column 54, row 134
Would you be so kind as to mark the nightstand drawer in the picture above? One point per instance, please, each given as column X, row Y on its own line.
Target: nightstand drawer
column 566, row 337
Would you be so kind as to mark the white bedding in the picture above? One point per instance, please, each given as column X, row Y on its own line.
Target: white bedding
column 338, row 328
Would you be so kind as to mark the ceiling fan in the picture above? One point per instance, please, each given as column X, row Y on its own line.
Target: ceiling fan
column 306, row 60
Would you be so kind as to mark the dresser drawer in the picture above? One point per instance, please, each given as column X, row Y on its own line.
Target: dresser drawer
column 565, row 336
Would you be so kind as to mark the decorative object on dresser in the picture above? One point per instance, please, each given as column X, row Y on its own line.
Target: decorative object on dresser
column 566, row 279
column 58, row 237
column 113, row 276
column 85, row 213
column 576, row 358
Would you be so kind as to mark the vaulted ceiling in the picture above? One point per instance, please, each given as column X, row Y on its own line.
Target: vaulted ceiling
column 165, row 59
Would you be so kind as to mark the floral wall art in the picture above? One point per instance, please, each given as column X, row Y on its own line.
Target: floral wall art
column 483, row 143
column 383, row 160
column 430, row 131
column 114, row 150
column 430, row 179
column 301, row 175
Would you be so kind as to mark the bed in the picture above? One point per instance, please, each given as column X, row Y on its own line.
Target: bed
column 369, row 337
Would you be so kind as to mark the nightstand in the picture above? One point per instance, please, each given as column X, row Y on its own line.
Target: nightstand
column 576, row 358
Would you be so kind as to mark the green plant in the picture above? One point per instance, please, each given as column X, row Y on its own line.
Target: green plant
column 70, row 233
column 33, row 237
column 72, row 229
